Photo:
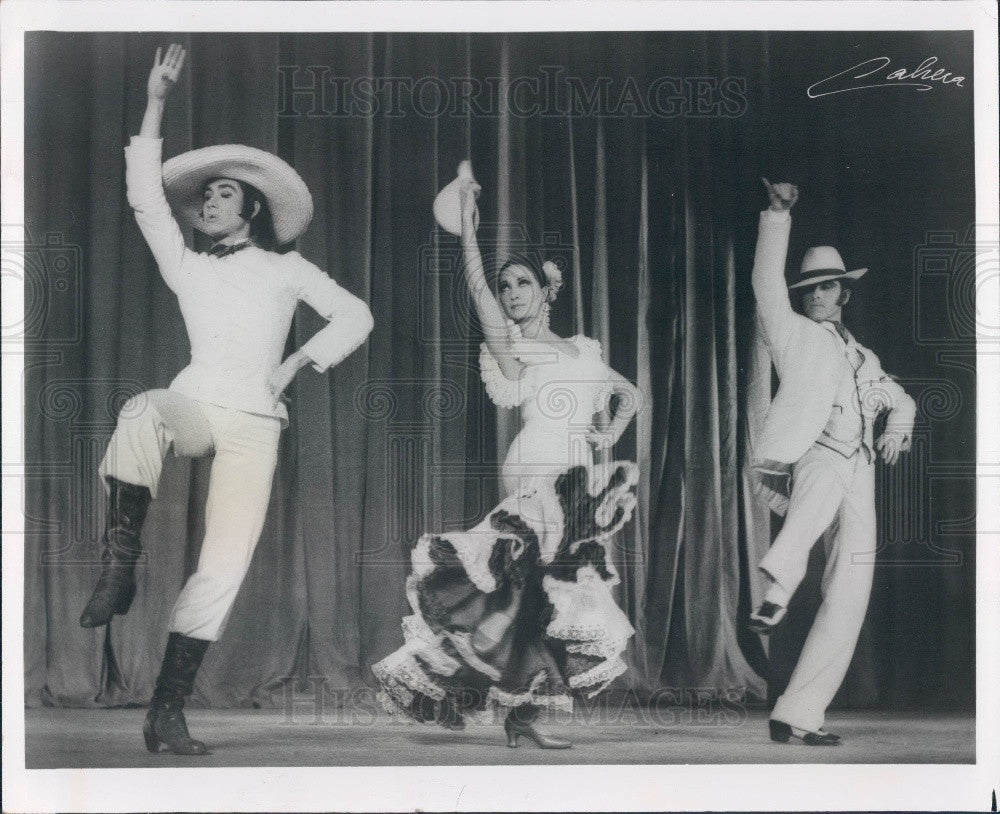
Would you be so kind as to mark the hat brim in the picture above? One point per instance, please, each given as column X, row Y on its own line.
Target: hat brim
column 822, row 278
column 288, row 197
column 448, row 207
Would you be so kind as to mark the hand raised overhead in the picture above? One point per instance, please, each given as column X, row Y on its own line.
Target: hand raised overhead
column 468, row 193
column 165, row 72
column 783, row 196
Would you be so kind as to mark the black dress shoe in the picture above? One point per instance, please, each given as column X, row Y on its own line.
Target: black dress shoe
column 781, row 732
column 766, row 617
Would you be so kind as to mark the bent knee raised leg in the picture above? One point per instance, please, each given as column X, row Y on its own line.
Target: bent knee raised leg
column 175, row 418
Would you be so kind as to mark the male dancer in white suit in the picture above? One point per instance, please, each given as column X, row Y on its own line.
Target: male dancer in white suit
column 238, row 302
column 814, row 461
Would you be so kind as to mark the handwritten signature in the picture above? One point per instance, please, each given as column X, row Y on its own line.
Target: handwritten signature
column 924, row 73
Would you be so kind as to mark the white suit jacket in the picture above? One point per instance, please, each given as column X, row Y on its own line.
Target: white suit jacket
column 808, row 357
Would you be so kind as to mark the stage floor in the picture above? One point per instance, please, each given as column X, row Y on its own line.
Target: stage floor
column 112, row 738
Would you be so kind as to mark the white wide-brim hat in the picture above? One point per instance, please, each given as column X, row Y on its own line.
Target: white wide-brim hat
column 448, row 203
column 185, row 176
column 822, row 263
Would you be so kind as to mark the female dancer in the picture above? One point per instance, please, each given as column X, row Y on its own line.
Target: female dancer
column 518, row 612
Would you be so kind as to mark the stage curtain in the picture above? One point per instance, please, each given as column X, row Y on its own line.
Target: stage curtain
column 653, row 220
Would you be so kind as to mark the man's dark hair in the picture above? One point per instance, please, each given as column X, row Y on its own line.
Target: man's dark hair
column 846, row 284
column 261, row 224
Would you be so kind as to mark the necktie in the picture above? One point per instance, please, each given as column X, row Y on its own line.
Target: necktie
column 841, row 330
column 226, row 249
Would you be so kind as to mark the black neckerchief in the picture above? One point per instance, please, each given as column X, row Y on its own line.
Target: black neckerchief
column 226, row 249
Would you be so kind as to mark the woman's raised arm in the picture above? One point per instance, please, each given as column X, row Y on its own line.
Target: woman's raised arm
column 491, row 316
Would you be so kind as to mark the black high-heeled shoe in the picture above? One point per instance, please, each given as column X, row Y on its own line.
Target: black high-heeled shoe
column 515, row 729
column 781, row 732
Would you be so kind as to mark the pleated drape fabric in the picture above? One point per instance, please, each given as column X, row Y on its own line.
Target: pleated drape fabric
column 652, row 219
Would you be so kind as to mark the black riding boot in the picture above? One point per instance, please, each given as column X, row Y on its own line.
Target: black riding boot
column 127, row 504
column 165, row 722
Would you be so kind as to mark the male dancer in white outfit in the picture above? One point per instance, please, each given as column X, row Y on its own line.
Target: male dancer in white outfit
column 238, row 303
column 818, row 432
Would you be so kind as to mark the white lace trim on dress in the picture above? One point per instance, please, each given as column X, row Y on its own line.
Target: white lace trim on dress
column 606, row 649
column 586, row 614
column 503, row 698
column 402, row 676
column 504, row 392
column 597, row 679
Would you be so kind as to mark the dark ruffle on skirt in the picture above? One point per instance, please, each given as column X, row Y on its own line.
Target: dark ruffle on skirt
column 519, row 610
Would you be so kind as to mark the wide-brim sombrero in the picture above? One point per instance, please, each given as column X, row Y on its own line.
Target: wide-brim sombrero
column 448, row 203
column 185, row 176
column 822, row 263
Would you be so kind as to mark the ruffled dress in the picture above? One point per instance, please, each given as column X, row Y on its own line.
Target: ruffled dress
column 519, row 610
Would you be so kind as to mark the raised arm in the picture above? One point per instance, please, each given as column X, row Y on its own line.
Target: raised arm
column 491, row 316
column 143, row 170
column 162, row 79
column 770, row 290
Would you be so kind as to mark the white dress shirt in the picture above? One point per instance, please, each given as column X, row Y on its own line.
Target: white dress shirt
column 238, row 309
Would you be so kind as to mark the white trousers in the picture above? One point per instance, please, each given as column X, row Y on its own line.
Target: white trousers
column 245, row 446
column 832, row 497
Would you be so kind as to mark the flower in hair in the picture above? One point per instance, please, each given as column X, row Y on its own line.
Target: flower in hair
column 554, row 276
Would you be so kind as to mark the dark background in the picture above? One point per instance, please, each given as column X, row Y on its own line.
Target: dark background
column 655, row 220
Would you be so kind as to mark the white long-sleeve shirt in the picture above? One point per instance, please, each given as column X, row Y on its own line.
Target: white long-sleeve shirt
column 238, row 309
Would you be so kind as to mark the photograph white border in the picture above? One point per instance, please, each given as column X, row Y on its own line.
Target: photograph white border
column 499, row 788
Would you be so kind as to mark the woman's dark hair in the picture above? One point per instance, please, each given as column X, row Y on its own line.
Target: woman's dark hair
column 524, row 260
column 261, row 224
